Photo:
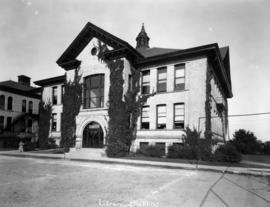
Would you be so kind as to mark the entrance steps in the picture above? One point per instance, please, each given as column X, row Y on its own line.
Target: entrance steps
column 86, row 153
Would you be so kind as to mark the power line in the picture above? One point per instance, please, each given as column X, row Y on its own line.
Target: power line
column 254, row 114
column 236, row 115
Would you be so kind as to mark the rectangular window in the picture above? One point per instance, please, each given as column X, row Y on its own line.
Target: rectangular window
column 146, row 82
column 94, row 91
column 162, row 79
column 2, row 102
column 62, row 93
column 145, row 119
column 161, row 117
column 179, row 81
column 23, row 105
column 2, row 119
column 143, row 145
column 9, row 121
column 30, row 107
column 54, row 122
column 179, row 115
column 54, row 95
column 61, row 120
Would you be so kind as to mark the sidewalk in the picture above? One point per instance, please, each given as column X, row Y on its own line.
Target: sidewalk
column 167, row 165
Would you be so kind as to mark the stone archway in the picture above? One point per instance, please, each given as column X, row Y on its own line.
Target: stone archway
column 93, row 136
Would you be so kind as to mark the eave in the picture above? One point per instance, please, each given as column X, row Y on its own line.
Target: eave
column 19, row 92
column 51, row 81
column 89, row 32
column 211, row 51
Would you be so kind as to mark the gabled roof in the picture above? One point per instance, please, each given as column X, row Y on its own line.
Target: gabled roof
column 18, row 88
column 84, row 37
column 51, row 81
column 148, row 56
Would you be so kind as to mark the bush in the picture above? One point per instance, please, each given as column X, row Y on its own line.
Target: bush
column 116, row 149
column 11, row 142
column 186, row 152
column 173, row 151
column 51, row 143
column 204, row 150
column 246, row 142
column 151, row 151
column 227, row 153
column 29, row 146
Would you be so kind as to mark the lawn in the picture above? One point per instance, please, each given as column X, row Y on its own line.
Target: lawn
column 199, row 162
column 257, row 158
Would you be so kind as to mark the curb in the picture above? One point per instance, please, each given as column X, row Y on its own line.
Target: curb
column 236, row 172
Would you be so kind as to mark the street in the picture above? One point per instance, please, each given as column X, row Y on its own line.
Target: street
column 36, row 182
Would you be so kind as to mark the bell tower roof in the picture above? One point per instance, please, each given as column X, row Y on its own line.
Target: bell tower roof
column 142, row 39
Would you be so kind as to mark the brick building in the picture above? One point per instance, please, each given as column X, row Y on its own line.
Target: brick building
column 192, row 87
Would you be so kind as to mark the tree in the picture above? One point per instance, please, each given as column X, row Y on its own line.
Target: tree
column 72, row 100
column 246, row 142
column 45, row 111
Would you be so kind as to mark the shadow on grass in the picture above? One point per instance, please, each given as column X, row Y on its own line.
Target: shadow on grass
column 49, row 151
column 185, row 161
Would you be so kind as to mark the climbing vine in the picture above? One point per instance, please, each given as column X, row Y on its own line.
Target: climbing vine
column 123, row 111
column 208, row 107
column 45, row 112
column 72, row 100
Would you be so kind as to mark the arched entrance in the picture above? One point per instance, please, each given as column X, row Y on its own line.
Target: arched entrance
column 92, row 136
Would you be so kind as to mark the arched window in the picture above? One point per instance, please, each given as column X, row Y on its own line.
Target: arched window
column 30, row 107
column 94, row 91
column 24, row 105
column 10, row 100
column 2, row 102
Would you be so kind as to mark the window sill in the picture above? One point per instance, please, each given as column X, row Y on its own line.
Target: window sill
column 94, row 109
column 175, row 91
column 160, row 130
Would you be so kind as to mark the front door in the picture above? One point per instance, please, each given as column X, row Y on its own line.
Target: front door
column 92, row 136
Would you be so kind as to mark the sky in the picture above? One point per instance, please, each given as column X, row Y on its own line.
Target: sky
column 34, row 33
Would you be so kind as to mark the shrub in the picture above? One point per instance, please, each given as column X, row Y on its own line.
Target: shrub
column 116, row 149
column 51, row 143
column 173, row 151
column 151, row 151
column 29, row 146
column 204, row 150
column 186, row 152
column 227, row 153
column 246, row 142
column 11, row 142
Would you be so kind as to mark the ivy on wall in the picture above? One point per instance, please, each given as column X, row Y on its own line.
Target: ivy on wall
column 123, row 112
column 45, row 112
column 208, row 132
column 72, row 100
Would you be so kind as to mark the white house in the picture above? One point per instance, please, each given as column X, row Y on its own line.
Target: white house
column 192, row 87
column 18, row 109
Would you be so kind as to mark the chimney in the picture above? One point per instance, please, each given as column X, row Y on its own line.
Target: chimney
column 25, row 80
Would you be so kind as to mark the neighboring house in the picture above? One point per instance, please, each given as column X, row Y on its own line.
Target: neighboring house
column 18, row 110
column 192, row 87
